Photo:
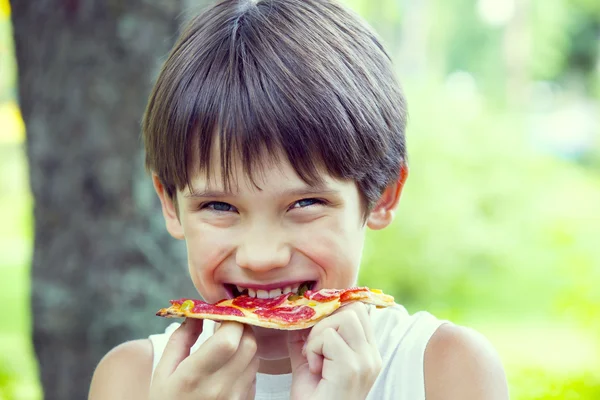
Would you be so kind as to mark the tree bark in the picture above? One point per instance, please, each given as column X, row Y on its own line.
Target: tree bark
column 103, row 262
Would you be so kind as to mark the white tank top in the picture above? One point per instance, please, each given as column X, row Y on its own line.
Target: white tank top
column 402, row 339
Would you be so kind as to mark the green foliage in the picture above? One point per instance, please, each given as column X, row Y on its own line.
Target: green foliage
column 491, row 230
column 550, row 39
column 7, row 61
column 564, row 41
column 485, row 219
column 466, row 43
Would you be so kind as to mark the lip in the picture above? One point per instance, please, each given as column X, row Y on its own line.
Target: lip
column 268, row 286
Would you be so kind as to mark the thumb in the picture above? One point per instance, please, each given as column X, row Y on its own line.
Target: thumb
column 252, row 391
column 179, row 345
column 296, row 341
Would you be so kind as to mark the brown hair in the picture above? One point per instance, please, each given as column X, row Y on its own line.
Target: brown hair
column 306, row 78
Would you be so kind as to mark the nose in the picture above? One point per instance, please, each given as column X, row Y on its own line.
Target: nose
column 263, row 250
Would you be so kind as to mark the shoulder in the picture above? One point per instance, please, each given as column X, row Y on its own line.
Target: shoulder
column 461, row 364
column 124, row 372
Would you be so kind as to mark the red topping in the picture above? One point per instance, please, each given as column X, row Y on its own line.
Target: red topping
column 287, row 314
column 205, row 308
column 323, row 295
column 250, row 303
column 354, row 293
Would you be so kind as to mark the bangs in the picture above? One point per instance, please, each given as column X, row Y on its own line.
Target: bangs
column 251, row 81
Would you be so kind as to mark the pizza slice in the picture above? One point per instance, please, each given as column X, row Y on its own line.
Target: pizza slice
column 286, row 312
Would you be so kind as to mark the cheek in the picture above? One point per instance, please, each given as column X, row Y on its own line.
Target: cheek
column 207, row 247
column 336, row 246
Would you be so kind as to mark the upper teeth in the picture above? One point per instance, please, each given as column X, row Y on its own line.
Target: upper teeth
column 269, row 294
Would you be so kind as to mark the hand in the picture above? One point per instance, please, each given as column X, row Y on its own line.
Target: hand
column 340, row 359
column 223, row 367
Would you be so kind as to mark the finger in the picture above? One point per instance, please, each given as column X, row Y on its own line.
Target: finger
column 347, row 324
column 315, row 360
column 362, row 312
column 242, row 358
column 245, row 383
column 296, row 341
column 179, row 345
column 216, row 351
column 327, row 347
column 252, row 392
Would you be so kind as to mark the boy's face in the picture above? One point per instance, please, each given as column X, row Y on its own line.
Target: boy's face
column 283, row 234
column 279, row 235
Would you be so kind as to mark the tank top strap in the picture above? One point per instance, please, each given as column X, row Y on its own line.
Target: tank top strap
column 402, row 339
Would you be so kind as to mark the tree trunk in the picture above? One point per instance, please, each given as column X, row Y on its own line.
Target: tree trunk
column 103, row 262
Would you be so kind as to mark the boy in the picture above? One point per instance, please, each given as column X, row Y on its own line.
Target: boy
column 275, row 136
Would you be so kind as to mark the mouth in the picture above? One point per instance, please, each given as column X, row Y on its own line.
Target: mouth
column 269, row 291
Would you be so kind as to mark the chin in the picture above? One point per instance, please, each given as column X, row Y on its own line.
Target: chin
column 272, row 343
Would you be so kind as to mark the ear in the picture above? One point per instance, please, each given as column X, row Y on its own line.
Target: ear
column 169, row 209
column 383, row 213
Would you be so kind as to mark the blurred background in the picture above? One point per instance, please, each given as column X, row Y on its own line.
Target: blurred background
column 498, row 228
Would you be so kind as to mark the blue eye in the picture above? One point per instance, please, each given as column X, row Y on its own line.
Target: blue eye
column 307, row 202
column 219, row 206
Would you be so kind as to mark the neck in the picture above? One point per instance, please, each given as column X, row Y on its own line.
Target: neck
column 275, row 367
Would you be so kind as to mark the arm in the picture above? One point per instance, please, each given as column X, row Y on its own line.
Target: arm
column 124, row 373
column 461, row 364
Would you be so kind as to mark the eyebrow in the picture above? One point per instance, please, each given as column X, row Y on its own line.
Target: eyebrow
column 309, row 191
